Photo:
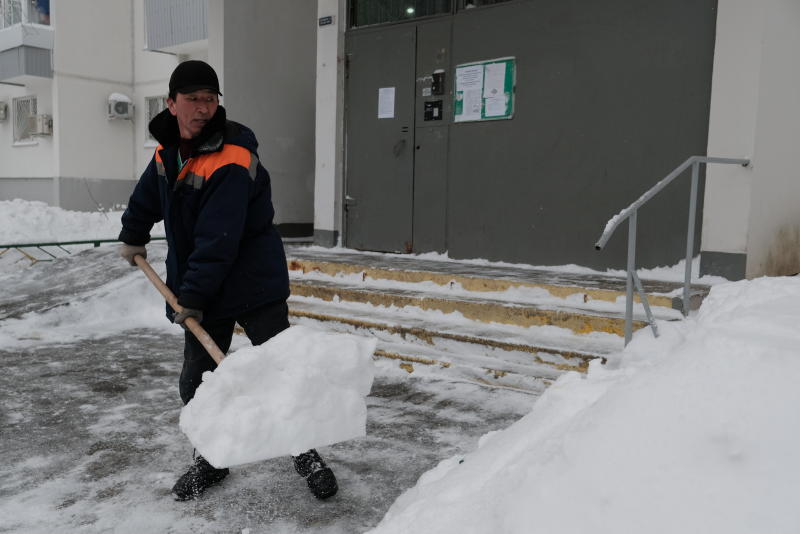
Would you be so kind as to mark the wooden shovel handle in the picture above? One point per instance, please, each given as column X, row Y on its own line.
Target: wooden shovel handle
column 191, row 323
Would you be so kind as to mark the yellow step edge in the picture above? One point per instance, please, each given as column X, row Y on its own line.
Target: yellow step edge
column 407, row 364
column 407, row 361
column 470, row 283
column 428, row 335
column 479, row 311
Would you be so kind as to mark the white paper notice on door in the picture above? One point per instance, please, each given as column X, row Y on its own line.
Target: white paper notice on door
column 495, row 80
column 469, row 81
column 495, row 106
column 386, row 103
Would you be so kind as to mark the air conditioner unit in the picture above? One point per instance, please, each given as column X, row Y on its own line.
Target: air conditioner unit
column 3, row 111
column 40, row 125
column 120, row 107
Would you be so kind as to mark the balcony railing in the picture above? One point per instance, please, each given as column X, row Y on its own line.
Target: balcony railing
column 24, row 11
column 176, row 26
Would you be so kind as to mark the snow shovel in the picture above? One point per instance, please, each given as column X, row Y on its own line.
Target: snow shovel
column 254, row 406
column 191, row 323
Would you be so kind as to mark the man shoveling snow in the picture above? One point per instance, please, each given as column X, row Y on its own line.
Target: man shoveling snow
column 226, row 262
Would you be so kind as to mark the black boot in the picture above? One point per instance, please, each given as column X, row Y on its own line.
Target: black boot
column 319, row 476
column 199, row 477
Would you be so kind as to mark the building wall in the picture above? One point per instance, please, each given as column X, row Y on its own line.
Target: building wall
column 26, row 168
column 88, row 67
column 732, row 129
column 269, row 72
column 90, row 162
column 774, row 233
column 151, row 71
column 329, row 168
column 610, row 97
column 751, row 225
column 32, row 159
column 216, row 38
column 85, row 77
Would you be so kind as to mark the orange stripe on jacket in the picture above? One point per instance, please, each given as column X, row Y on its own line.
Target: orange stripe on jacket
column 206, row 164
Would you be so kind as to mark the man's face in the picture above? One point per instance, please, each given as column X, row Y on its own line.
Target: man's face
column 193, row 111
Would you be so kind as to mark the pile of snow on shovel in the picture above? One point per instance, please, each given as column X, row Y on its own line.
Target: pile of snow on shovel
column 302, row 389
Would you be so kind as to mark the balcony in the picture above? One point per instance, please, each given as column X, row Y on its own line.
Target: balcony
column 176, row 26
column 26, row 40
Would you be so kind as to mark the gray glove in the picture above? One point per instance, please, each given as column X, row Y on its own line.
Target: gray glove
column 129, row 251
column 182, row 315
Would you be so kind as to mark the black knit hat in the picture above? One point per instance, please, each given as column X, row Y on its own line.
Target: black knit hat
column 193, row 75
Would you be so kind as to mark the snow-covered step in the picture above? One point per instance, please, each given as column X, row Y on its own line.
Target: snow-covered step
column 482, row 276
column 459, row 371
column 499, row 370
column 507, row 326
column 557, row 348
column 489, row 353
column 520, row 371
column 527, row 313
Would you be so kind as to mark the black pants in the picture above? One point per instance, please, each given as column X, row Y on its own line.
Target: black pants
column 259, row 325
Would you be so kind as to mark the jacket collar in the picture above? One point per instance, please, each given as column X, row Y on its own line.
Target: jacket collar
column 164, row 128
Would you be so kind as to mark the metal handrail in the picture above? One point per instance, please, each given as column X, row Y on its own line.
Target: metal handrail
column 95, row 242
column 60, row 244
column 630, row 213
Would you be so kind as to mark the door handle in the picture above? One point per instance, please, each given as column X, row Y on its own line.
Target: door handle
column 398, row 147
column 349, row 201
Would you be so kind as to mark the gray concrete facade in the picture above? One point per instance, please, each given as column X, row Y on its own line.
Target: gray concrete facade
column 609, row 98
column 37, row 189
column 326, row 238
column 91, row 194
column 726, row 264
column 77, row 194
column 270, row 73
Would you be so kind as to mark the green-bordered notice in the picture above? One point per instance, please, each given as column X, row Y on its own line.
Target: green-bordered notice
column 485, row 90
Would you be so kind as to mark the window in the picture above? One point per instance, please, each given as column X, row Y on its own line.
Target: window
column 27, row 11
column 10, row 13
column 24, row 108
column 39, row 11
column 366, row 12
column 153, row 106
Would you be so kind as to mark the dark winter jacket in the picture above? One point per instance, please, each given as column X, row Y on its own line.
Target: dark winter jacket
column 224, row 256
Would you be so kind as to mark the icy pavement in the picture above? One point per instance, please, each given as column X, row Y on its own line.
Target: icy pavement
column 90, row 441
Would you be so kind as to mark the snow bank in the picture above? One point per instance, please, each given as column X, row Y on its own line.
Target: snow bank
column 23, row 221
column 696, row 431
column 127, row 303
column 303, row 388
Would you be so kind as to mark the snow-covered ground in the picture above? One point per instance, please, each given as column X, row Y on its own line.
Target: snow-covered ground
column 695, row 431
column 89, row 407
column 24, row 221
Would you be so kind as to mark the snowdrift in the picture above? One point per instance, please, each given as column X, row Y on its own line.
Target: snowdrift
column 696, row 431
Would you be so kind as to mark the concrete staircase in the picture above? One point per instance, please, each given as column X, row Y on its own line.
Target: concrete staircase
column 507, row 326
